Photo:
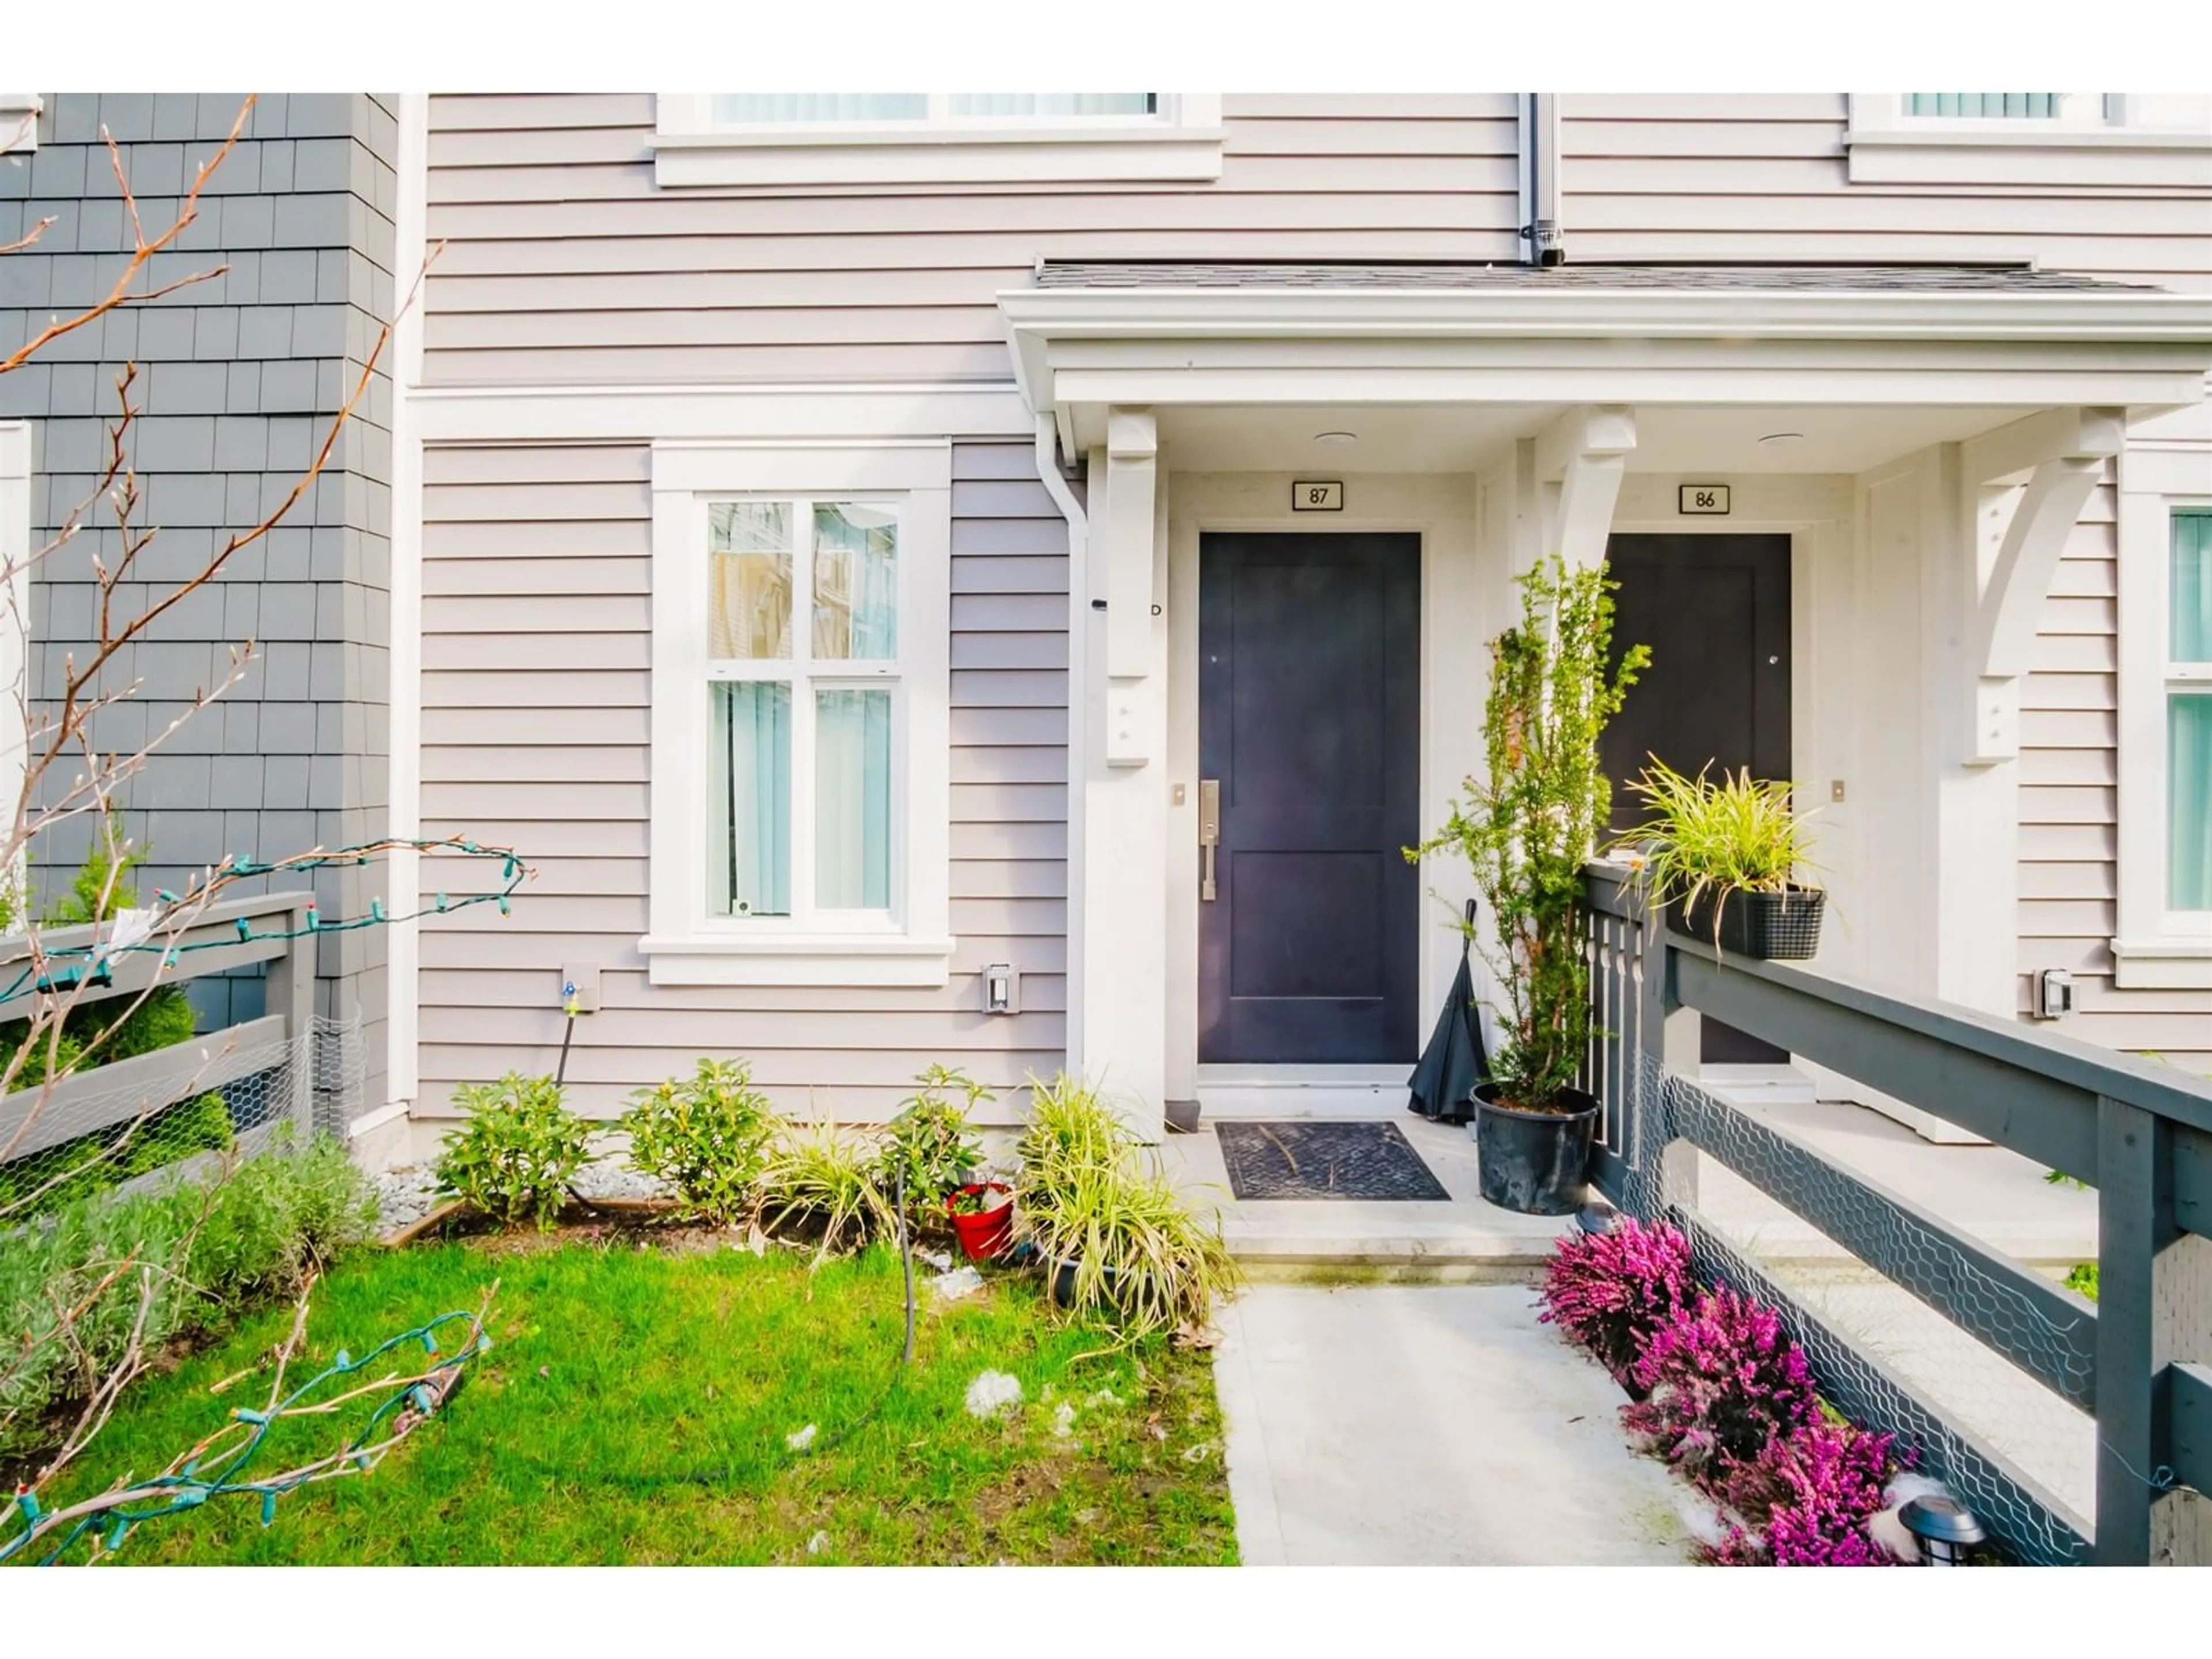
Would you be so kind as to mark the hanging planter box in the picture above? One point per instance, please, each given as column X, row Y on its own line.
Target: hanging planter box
column 1784, row 926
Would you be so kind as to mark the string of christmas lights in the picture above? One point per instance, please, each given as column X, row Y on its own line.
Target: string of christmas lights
column 139, row 932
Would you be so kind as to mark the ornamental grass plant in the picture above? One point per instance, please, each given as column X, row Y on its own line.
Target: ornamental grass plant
column 1702, row 837
column 1129, row 1249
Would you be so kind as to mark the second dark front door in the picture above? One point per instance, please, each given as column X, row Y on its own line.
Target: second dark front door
column 1715, row 609
column 1309, row 725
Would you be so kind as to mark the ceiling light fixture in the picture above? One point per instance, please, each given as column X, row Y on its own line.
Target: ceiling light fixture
column 1781, row 440
column 1336, row 437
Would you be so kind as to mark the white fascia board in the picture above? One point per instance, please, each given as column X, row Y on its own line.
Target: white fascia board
column 587, row 414
column 1595, row 381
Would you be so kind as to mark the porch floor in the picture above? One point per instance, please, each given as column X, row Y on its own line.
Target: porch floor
column 1995, row 1194
column 1429, row 1426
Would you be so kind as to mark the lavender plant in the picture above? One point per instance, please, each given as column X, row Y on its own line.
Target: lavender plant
column 1612, row 1293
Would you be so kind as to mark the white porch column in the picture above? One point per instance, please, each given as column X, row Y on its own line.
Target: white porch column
column 2004, row 505
column 1121, row 793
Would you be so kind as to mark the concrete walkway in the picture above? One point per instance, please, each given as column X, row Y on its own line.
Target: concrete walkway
column 1429, row 1426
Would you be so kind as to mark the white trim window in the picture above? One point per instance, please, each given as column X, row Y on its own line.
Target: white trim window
column 2029, row 138
column 890, row 143
column 799, row 741
column 2165, row 721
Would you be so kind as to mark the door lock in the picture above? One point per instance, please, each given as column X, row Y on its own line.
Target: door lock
column 1209, row 832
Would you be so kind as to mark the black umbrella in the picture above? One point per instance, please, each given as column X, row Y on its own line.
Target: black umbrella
column 1455, row 1060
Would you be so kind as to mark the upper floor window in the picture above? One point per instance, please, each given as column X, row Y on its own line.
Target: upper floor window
column 1981, row 106
column 886, row 142
column 776, row 108
column 2052, row 138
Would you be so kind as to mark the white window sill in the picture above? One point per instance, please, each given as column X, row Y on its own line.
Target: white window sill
column 2162, row 965
column 933, row 158
column 2023, row 153
column 825, row 959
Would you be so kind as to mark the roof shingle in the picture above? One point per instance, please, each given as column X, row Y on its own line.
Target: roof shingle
column 1329, row 273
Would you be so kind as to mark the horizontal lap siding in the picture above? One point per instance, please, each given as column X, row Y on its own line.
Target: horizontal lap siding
column 1765, row 177
column 565, row 262
column 2068, row 811
column 536, row 729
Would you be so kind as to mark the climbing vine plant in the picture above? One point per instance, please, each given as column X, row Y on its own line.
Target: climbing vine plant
column 1526, row 827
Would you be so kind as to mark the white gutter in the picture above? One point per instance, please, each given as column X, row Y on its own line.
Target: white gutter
column 2078, row 316
column 1078, row 630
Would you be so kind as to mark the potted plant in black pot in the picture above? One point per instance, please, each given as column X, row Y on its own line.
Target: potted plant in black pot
column 1726, row 859
column 1526, row 829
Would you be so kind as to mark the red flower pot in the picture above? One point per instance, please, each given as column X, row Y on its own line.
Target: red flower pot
column 982, row 1235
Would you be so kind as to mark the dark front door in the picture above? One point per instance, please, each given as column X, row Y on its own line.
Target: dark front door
column 1309, row 686
column 1715, row 609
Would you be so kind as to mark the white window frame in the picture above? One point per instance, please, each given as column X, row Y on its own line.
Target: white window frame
column 2096, row 138
column 2157, row 948
column 912, row 944
column 1179, row 141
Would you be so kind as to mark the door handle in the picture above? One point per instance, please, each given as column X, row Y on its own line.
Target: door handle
column 1209, row 832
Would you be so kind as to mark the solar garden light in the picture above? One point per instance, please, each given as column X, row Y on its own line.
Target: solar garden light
column 1597, row 1216
column 1945, row 1528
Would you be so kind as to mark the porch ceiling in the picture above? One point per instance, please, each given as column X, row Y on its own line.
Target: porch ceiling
column 1452, row 437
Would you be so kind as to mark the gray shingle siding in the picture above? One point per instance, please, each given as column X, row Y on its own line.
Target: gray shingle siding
column 238, row 376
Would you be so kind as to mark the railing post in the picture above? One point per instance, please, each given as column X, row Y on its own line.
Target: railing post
column 1666, row 1035
column 296, row 984
column 2153, row 1308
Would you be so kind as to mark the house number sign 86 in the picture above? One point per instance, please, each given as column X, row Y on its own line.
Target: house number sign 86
column 1704, row 498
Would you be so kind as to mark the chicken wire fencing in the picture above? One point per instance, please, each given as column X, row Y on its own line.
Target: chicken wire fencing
column 215, row 1096
column 1994, row 1342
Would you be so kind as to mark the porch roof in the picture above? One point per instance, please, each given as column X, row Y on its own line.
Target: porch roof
column 1089, row 335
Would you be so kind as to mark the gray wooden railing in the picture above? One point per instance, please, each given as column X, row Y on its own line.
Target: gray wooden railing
column 2139, row 1361
column 102, row 1096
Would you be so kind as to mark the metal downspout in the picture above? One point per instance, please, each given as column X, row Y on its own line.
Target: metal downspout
column 1078, row 624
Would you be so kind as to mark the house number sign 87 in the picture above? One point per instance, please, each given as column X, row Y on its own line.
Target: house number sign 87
column 1312, row 496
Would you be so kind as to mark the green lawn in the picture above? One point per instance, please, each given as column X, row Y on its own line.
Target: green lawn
column 635, row 1405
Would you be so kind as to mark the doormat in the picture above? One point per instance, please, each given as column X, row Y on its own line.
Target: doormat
column 1368, row 1161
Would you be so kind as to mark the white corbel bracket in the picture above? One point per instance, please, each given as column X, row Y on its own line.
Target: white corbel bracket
column 1581, row 458
column 2061, row 455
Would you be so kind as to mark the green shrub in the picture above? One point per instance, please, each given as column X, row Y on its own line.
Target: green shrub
column 514, row 1158
column 1528, row 824
column 931, row 1145
column 262, row 1222
column 1141, row 1258
column 823, row 1177
column 707, row 1136
column 63, row 1262
column 281, row 1216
